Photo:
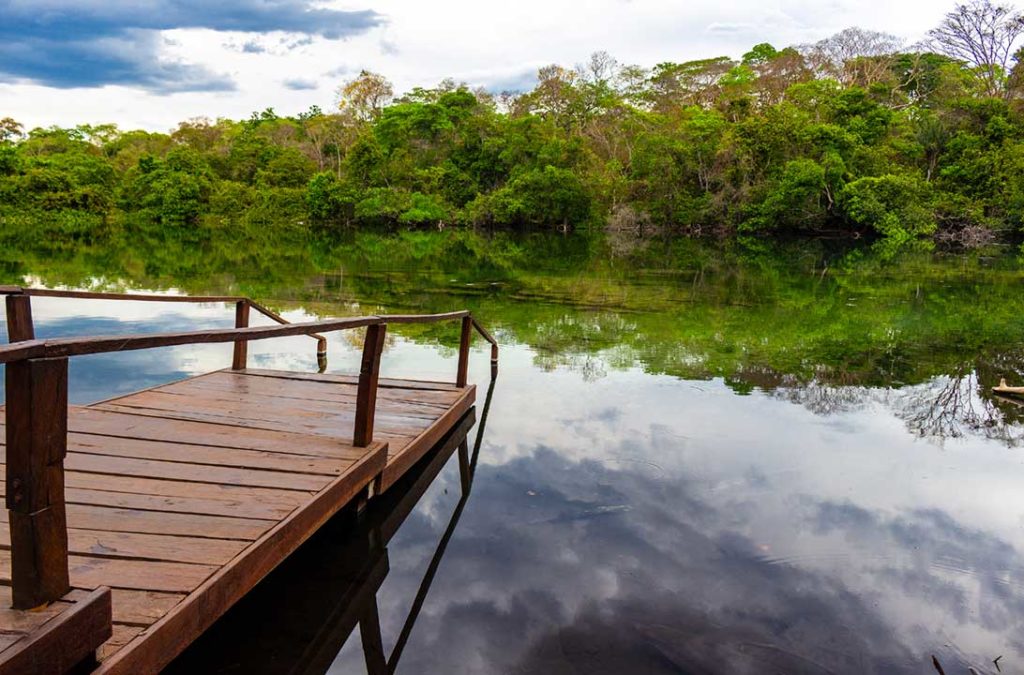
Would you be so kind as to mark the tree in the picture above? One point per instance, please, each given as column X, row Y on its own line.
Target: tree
column 365, row 96
column 855, row 55
column 982, row 34
column 10, row 130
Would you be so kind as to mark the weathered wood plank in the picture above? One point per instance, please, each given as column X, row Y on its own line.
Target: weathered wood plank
column 385, row 382
column 172, row 633
column 170, row 548
column 399, row 463
column 229, row 382
column 148, row 494
column 249, row 402
column 23, row 621
column 306, row 390
column 194, row 473
column 334, row 424
column 122, row 635
column 106, row 423
column 108, row 519
column 140, row 608
column 89, row 572
column 202, row 454
column 63, row 641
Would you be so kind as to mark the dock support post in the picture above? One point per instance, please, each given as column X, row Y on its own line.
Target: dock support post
column 467, row 335
column 19, row 318
column 238, row 361
column 373, row 645
column 366, row 394
column 37, row 417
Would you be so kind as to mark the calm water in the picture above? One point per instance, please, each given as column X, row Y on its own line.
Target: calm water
column 695, row 460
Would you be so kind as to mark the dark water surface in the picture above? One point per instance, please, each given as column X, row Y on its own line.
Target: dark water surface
column 695, row 460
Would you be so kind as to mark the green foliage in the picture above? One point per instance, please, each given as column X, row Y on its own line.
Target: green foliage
column 774, row 143
column 895, row 206
column 536, row 198
column 175, row 190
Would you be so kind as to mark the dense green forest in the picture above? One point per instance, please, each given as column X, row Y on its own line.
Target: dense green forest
column 854, row 134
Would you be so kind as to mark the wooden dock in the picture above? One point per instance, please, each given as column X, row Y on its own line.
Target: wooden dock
column 136, row 522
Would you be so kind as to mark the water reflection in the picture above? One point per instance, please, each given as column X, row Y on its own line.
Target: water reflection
column 749, row 469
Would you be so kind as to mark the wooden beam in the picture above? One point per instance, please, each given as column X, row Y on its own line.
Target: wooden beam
column 424, row 318
column 373, row 645
column 366, row 391
column 19, row 318
column 137, row 297
column 238, row 361
column 65, row 640
column 36, row 436
column 466, row 338
column 120, row 343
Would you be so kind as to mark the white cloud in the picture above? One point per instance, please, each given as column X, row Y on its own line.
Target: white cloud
column 484, row 43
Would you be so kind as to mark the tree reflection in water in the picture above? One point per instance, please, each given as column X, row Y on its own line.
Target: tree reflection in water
column 948, row 406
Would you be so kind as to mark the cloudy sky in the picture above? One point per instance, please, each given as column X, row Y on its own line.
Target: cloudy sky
column 153, row 63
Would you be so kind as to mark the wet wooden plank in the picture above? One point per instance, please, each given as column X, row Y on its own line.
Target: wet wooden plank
column 103, row 422
column 332, row 424
column 171, row 548
column 290, row 391
column 399, row 463
column 201, row 454
column 180, row 626
column 194, row 473
column 108, row 519
column 90, row 572
column 147, row 494
column 222, row 399
column 385, row 382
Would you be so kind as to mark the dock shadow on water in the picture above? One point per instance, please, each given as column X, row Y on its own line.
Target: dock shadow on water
column 298, row 619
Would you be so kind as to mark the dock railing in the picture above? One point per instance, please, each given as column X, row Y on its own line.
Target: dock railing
column 37, row 409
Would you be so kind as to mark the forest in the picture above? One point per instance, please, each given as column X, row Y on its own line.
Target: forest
column 855, row 135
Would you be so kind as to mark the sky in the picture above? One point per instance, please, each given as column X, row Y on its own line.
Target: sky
column 152, row 63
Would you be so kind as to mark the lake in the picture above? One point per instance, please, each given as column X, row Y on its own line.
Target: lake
column 697, row 458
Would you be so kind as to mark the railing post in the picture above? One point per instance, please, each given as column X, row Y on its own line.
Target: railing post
column 238, row 361
column 467, row 335
column 366, row 394
column 19, row 318
column 37, row 415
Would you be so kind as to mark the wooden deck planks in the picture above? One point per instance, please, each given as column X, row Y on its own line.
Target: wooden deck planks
column 182, row 497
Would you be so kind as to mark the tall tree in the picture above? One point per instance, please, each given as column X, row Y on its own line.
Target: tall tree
column 983, row 34
column 854, row 55
column 365, row 96
column 10, row 130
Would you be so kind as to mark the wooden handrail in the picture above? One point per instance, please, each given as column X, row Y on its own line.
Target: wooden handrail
column 102, row 295
column 270, row 314
column 36, row 412
column 78, row 346
column 321, row 351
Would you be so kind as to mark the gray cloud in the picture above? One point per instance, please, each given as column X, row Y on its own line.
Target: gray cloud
column 253, row 47
column 60, row 43
column 300, row 85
